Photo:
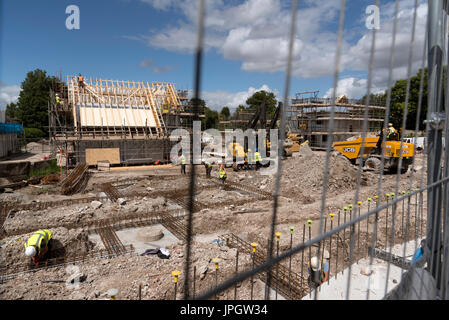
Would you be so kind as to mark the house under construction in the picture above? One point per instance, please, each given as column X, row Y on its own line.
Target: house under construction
column 123, row 122
column 310, row 116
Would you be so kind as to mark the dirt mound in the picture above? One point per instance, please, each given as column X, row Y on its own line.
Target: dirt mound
column 302, row 177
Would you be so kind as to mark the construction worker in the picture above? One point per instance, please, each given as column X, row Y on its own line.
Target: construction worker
column 182, row 158
column 208, row 167
column 392, row 133
column 80, row 80
column 258, row 159
column 318, row 274
column 38, row 245
column 58, row 100
column 222, row 174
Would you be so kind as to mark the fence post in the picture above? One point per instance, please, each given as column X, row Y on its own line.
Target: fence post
column 434, row 133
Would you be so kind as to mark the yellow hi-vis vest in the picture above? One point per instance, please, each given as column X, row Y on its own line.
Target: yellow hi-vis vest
column 391, row 131
column 38, row 238
column 183, row 159
column 222, row 173
column 258, row 157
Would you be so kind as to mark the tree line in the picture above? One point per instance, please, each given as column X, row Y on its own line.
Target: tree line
column 398, row 97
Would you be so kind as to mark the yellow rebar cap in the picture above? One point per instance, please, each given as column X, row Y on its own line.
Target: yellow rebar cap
column 278, row 236
column 254, row 245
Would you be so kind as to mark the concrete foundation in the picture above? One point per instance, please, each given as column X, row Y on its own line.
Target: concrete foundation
column 141, row 238
column 136, row 151
column 19, row 170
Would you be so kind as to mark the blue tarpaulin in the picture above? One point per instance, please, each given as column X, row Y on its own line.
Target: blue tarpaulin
column 6, row 128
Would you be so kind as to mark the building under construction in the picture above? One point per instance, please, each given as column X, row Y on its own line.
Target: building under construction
column 310, row 116
column 123, row 122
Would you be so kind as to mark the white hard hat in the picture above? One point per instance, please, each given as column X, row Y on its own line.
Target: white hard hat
column 30, row 251
column 314, row 263
column 326, row 254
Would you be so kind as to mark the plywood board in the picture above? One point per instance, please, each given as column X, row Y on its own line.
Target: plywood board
column 105, row 116
column 93, row 155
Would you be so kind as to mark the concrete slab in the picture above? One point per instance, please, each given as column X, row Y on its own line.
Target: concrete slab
column 336, row 288
column 133, row 236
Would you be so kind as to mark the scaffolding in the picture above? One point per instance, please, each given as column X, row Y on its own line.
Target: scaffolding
column 310, row 118
column 134, row 117
column 118, row 108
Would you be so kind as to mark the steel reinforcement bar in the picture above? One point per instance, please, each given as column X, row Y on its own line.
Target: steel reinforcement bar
column 289, row 284
column 67, row 202
column 75, row 180
column 12, row 271
column 174, row 225
column 245, row 188
column 111, row 191
column 118, row 222
column 111, row 241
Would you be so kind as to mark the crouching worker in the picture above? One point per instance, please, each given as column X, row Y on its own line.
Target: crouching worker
column 38, row 246
column 222, row 173
column 208, row 167
column 318, row 274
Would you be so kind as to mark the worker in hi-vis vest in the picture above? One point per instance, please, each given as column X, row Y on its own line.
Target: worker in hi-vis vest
column 38, row 245
column 208, row 167
column 392, row 133
column 222, row 174
column 80, row 81
column 258, row 159
column 182, row 158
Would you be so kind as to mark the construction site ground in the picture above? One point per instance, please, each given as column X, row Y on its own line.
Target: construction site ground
column 79, row 228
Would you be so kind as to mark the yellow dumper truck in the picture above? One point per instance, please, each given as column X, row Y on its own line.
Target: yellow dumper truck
column 371, row 157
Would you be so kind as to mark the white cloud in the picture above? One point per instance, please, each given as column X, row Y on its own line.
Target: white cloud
column 161, row 4
column 255, row 32
column 357, row 58
column 352, row 88
column 150, row 64
column 8, row 94
column 216, row 100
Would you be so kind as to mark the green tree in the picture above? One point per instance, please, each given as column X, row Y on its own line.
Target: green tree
column 10, row 113
column 375, row 99
column 258, row 97
column 211, row 120
column 398, row 95
column 200, row 102
column 32, row 105
column 397, row 102
column 225, row 113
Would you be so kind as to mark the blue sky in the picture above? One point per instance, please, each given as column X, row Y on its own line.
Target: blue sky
column 152, row 40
